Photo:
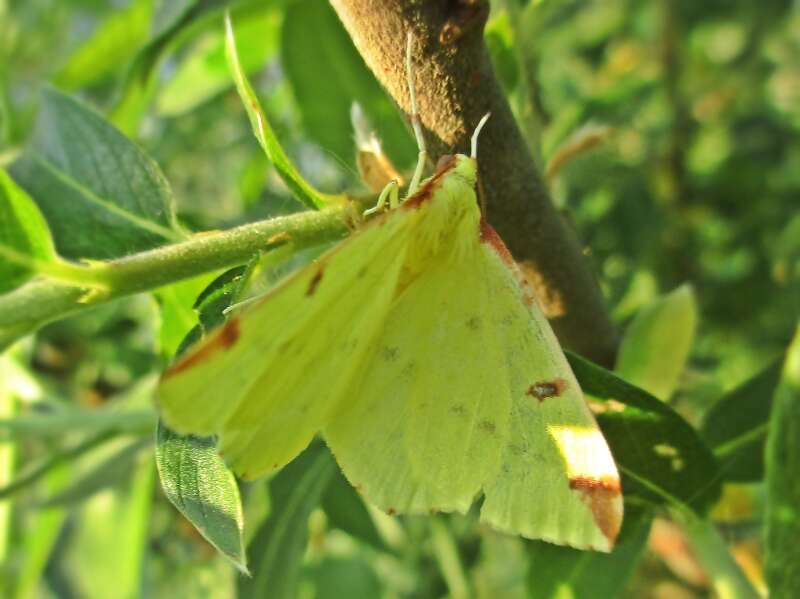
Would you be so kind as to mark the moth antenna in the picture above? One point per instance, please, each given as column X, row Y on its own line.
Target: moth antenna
column 481, row 123
column 415, row 122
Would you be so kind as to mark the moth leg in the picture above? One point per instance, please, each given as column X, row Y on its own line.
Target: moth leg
column 390, row 192
column 422, row 157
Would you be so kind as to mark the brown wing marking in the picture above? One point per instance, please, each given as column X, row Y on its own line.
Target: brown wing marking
column 220, row 340
column 602, row 497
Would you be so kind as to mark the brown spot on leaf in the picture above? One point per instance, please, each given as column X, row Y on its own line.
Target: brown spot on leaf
column 544, row 389
column 445, row 165
column 474, row 323
column 391, row 511
column 601, row 495
column 221, row 339
column 314, row 282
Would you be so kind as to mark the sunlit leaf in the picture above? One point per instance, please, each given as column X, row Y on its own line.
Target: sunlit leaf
column 656, row 345
column 195, row 479
column 24, row 236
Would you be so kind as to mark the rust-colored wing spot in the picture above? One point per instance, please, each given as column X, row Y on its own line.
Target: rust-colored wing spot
column 314, row 282
column 221, row 339
column 544, row 389
column 445, row 165
column 602, row 497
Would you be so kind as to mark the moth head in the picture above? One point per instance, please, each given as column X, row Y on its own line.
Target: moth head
column 464, row 166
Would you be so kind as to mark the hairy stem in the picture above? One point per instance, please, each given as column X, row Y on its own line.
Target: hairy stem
column 456, row 87
column 45, row 299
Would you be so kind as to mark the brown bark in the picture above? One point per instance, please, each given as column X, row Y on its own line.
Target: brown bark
column 456, row 85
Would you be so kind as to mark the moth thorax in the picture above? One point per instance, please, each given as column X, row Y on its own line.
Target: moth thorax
column 449, row 223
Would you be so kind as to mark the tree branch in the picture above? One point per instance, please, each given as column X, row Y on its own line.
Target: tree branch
column 456, row 85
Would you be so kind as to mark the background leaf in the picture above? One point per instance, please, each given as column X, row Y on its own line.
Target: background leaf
column 195, row 479
column 321, row 62
column 23, row 235
column 656, row 344
column 660, row 456
column 735, row 427
column 276, row 551
column 346, row 511
column 264, row 133
column 102, row 196
column 565, row 572
column 111, row 44
column 783, row 483
column 204, row 72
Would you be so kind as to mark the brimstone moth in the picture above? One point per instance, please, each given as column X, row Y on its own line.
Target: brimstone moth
column 419, row 352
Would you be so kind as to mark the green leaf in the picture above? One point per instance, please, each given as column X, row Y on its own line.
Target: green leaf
column 113, row 43
column 24, row 236
column 499, row 39
column 53, row 462
column 321, row 62
column 660, row 456
column 656, row 345
column 736, row 425
column 335, row 577
column 197, row 482
column 109, row 541
column 565, row 572
column 782, row 564
column 102, row 196
column 301, row 188
column 113, row 470
column 177, row 311
column 219, row 295
column 276, row 551
column 204, row 72
column 171, row 19
column 346, row 511
column 39, row 541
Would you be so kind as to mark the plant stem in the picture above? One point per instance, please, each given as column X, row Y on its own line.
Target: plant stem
column 7, row 454
column 43, row 300
column 446, row 552
column 727, row 579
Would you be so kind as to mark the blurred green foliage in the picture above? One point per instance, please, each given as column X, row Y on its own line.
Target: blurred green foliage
column 696, row 180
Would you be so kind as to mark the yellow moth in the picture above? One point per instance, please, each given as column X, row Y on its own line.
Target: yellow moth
column 418, row 351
